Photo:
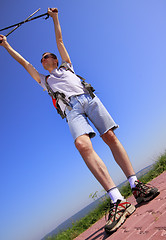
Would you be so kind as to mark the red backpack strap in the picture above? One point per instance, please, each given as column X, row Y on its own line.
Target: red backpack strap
column 50, row 92
column 54, row 102
column 56, row 96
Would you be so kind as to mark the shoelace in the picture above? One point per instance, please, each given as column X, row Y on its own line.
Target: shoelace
column 112, row 210
column 143, row 187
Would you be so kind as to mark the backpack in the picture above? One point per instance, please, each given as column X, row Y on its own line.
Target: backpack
column 56, row 96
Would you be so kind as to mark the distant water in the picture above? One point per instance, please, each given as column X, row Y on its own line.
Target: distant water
column 68, row 223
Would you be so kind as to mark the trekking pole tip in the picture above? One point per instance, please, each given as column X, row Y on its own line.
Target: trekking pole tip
column 36, row 11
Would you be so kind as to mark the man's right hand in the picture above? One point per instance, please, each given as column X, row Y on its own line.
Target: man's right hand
column 3, row 40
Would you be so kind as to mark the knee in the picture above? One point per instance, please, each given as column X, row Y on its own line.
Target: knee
column 110, row 137
column 83, row 144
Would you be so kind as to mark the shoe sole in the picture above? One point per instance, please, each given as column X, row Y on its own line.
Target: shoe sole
column 126, row 214
column 143, row 199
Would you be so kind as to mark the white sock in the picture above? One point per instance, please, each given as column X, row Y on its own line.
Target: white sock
column 132, row 180
column 115, row 194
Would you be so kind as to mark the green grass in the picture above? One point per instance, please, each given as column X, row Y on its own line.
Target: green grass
column 83, row 224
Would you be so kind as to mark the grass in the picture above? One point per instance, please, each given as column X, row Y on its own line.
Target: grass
column 83, row 224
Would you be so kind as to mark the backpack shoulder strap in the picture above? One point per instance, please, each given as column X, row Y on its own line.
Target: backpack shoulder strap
column 56, row 96
column 86, row 85
column 65, row 65
column 49, row 89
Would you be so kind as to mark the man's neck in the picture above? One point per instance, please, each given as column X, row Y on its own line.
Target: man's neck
column 52, row 68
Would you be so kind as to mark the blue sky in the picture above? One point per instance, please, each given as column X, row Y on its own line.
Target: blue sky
column 119, row 47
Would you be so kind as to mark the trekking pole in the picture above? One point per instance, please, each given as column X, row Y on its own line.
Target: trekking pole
column 26, row 20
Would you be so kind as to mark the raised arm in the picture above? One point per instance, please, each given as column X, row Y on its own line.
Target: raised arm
column 30, row 69
column 53, row 12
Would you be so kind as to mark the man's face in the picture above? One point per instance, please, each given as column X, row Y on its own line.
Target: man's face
column 48, row 61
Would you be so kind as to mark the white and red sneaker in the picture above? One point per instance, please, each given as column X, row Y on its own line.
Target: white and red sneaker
column 118, row 213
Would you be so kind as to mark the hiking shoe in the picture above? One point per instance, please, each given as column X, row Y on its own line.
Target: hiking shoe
column 118, row 213
column 144, row 192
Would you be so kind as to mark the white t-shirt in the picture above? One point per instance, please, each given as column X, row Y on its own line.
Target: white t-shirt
column 64, row 81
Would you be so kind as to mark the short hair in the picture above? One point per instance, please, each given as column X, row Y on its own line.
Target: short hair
column 53, row 56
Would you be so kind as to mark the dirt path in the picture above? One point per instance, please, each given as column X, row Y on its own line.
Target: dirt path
column 148, row 222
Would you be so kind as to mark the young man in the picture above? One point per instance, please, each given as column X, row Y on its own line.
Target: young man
column 78, row 104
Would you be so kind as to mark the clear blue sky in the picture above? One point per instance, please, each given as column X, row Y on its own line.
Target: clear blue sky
column 120, row 48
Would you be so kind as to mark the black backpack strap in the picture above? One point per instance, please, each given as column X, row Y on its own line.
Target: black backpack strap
column 57, row 96
column 64, row 65
column 49, row 89
column 86, row 85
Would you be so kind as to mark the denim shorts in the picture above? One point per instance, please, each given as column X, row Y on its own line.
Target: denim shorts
column 84, row 108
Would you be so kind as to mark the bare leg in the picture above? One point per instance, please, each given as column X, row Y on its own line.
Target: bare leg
column 94, row 162
column 118, row 152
